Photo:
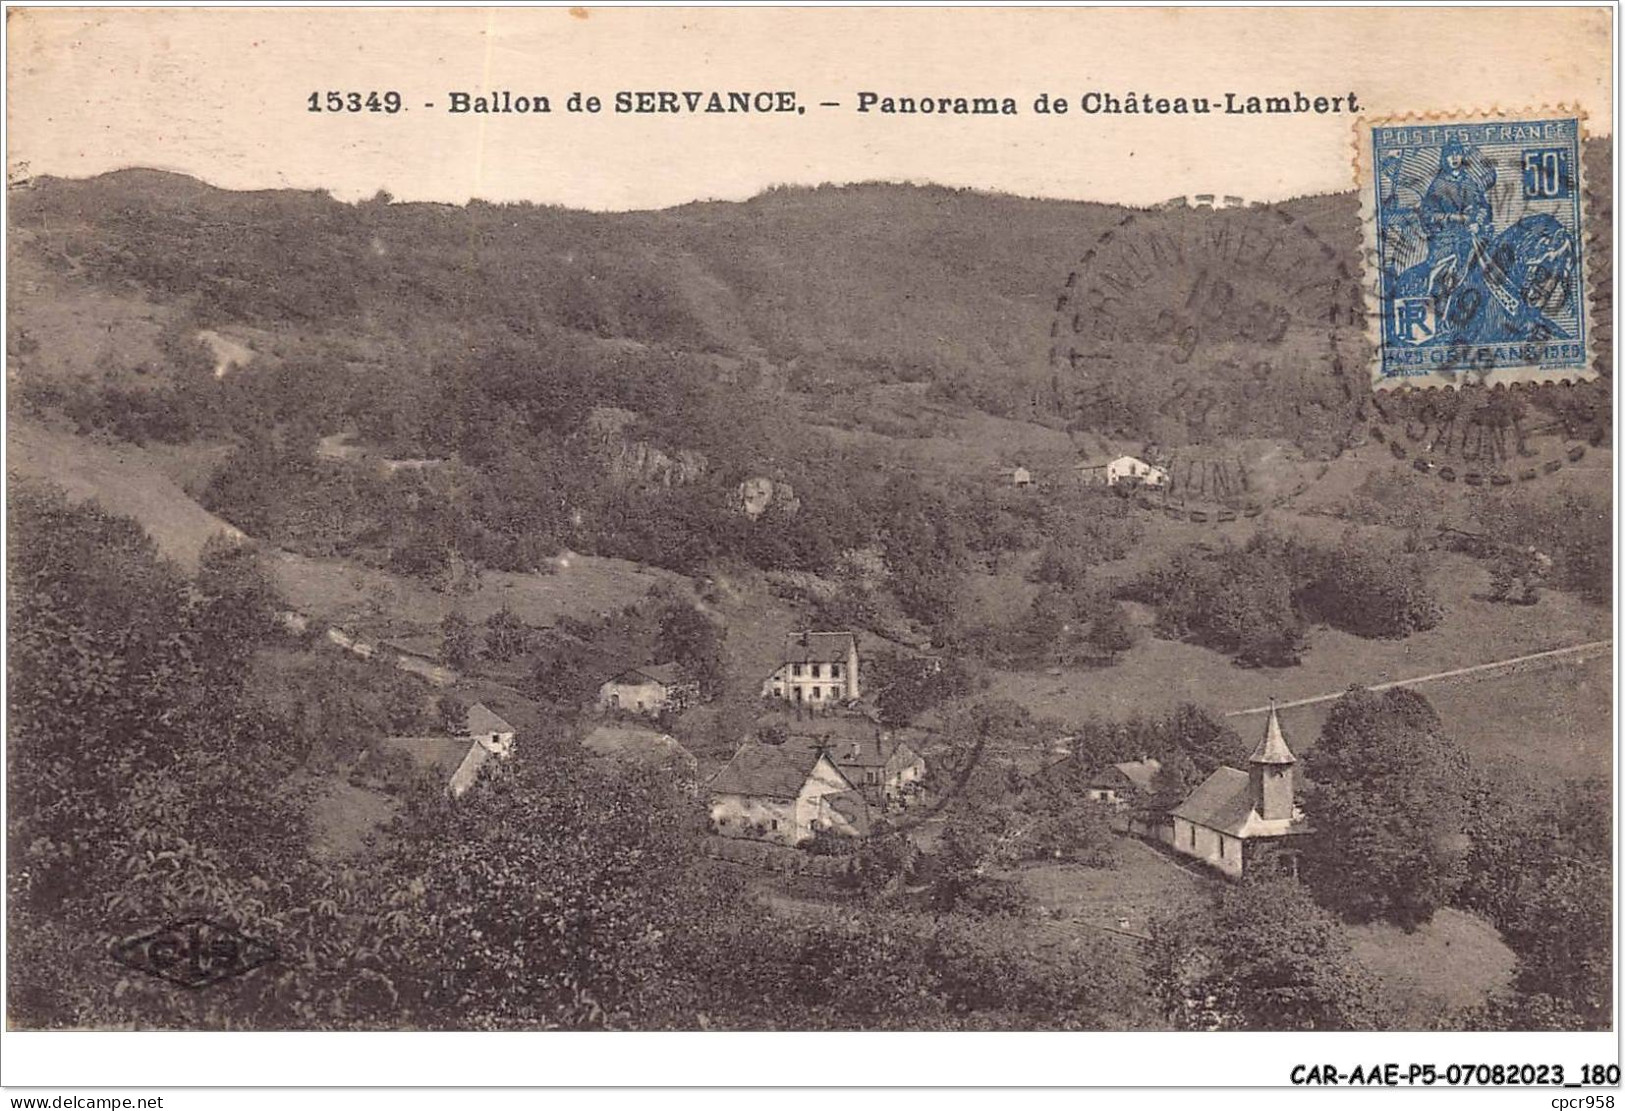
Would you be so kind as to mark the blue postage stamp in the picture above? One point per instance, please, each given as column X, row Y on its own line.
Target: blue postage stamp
column 1475, row 244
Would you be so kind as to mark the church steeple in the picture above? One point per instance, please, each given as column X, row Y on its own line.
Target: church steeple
column 1269, row 769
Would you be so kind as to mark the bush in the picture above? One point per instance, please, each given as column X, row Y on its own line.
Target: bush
column 1372, row 588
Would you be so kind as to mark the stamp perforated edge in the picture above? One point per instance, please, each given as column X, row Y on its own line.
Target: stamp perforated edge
column 1370, row 276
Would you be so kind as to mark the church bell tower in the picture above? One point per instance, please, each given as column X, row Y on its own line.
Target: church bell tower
column 1269, row 770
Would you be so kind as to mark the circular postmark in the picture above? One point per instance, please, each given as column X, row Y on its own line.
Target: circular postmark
column 1493, row 437
column 1203, row 332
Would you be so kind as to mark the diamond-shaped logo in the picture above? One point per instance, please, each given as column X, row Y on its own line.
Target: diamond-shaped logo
column 194, row 953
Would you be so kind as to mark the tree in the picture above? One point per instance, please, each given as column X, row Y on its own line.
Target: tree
column 1062, row 823
column 1171, row 783
column 1517, row 574
column 904, row 687
column 1241, row 602
column 1539, row 869
column 460, row 645
column 1371, row 588
column 1389, row 808
column 506, row 637
column 1262, row 957
column 1207, row 740
column 1109, row 633
column 141, row 781
column 238, row 606
column 695, row 643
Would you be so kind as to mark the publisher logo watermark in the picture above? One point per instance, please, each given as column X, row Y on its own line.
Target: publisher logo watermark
column 194, row 953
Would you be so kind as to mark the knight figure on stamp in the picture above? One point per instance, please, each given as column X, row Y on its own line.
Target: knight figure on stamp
column 1475, row 237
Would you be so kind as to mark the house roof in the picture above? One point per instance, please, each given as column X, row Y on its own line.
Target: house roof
column 867, row 752
column 1223, row 801
column 665, row 674
column 769, row 771
column 1111, row 776
column 1136, row 774
column 642, row 746
column 801, row 648
column 469, row 770
column 481, row 719
column 1140, row 772
column 1272, row 748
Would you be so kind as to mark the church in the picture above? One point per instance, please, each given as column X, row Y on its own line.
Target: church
column 1233, row 811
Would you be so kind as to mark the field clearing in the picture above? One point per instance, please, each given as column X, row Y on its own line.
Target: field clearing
column 342, row 592
column 345, row 819
column 80, row 329
column 1127, row 897
column 1455, row 961
column 1552, row 718
column 122, row 478
column 142, row 483
column 1157, row 675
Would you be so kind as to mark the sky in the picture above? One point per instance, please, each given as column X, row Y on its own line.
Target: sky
column 222, row 95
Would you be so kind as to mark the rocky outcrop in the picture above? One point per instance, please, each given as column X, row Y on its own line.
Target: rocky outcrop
column 637, row 461
column 756, row 496
column 640, row 462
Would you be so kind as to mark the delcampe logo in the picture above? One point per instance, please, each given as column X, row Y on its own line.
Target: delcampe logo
column 194, row 953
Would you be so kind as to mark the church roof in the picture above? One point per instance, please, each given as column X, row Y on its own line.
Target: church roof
column 1272, row 749
column 1223, row 801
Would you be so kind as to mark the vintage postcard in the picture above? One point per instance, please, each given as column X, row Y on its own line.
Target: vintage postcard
column 873, row 520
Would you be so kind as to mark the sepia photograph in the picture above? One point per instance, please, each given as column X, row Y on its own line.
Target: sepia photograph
column 810, row 520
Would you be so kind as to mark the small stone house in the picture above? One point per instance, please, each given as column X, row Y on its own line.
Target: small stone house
column 816, row 671
column 1121, row 783
column 457, row 760
column 1232, row 811
column 882, row 767
column 786, row 793
column 649, row 690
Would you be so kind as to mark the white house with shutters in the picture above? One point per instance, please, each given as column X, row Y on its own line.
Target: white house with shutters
column 1124, row 470
column 815, row 671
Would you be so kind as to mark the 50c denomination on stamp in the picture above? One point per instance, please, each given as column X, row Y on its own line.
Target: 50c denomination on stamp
column 1474, row 252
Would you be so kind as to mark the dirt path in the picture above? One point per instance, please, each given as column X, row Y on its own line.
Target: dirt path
column 1552, row 654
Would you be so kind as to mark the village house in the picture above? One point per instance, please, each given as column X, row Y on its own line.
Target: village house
column 650, row 690
column 882, row 766
column 1232, row 811
column 785, row 792
column 457, row 760
column 815, row 671
column 632, row 746
column 1124, row 470
column 1018, row 476
column 1121, row 783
